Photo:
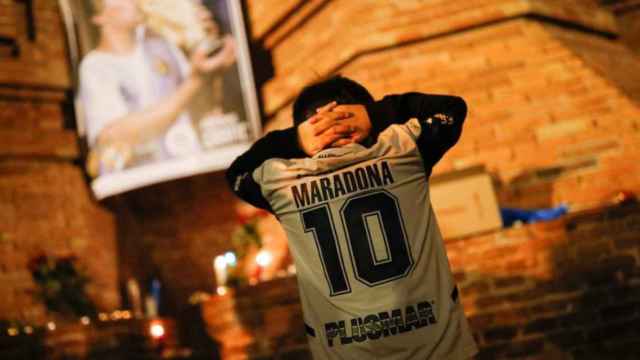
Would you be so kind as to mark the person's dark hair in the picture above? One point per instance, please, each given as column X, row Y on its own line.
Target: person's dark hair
column 338, row 88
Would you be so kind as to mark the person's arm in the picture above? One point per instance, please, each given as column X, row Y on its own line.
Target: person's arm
column 275, row 144
column 398, row 109
column 441, row 118
column 139, row 126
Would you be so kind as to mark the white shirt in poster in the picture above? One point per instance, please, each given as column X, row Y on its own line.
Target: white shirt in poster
column 112, row 86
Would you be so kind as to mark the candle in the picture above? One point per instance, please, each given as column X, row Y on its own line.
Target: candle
column 220, row 270
column 263, row 259
column 156, row 329
column 151, row 306
column 135, row 300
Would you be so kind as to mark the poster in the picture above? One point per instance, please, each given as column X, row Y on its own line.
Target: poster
column 163, row 88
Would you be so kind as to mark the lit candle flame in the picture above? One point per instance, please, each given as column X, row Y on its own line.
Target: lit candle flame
column 156, row 330
column 264, row 258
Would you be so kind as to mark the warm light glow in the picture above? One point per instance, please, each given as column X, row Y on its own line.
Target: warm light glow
column 85, row 320
column 12, row 331
column 51, row 326
column 264, row 258
column 221, row 290
column 116, row 315
column 220, row 262
column 28, row 330
column 156, row 330
column 291, row 269
column 103, row 317
column 126, row 314
column 220, row 270
column 230, row 258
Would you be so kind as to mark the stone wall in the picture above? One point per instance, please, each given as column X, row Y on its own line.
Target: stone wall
column 45, row 204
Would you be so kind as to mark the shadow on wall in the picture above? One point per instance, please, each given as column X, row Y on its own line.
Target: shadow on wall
column 534, row 188
column 580, row 299
column 261, row 59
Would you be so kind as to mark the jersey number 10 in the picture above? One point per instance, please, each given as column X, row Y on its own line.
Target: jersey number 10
column 365, row 218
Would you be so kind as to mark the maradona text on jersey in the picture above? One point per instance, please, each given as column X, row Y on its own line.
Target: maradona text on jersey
column 382, row 324
column 343, row 183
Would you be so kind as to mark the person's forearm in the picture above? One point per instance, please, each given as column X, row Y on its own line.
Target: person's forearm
column 275, row 144
column 440, row 116
column 441, row 126
column 146, row 124
column 398, row 109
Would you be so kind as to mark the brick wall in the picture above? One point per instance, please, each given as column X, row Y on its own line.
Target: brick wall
column 7, row 21
column 45, row 204
column 533, row 87
column 627, row 13
column 538, row 87
column 190, row 220
column 563, row 289
column 43, row 61
column 566, row 289
column 173, row 231
column 307, row 53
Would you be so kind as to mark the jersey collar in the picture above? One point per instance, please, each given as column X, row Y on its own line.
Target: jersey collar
column 339, row 151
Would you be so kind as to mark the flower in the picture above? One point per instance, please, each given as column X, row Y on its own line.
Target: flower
column 37, row 262
column 61, row 285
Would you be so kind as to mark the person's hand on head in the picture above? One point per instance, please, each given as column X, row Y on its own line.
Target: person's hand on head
column 323, row 129
column 358, row 122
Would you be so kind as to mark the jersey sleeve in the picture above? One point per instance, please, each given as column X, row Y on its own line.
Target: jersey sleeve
column 440, row 117
column 275, row 144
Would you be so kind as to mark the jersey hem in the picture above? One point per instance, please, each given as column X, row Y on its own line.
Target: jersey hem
column 466, row 353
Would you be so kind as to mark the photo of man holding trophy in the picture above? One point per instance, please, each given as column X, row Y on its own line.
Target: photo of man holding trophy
column 159, row 91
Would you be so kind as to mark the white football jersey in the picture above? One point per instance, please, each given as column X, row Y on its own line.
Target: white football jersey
column 373, row 274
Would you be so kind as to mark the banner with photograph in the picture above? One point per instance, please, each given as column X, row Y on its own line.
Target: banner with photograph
column 164, row 88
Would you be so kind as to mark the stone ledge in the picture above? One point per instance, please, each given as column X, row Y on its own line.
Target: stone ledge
column 566, row 222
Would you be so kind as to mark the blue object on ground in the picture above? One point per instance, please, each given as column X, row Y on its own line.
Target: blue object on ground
column 155, row 291
column 511, row 215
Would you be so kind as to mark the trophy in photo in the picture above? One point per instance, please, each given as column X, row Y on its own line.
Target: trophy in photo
column 179, row 23
column 110, row 158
